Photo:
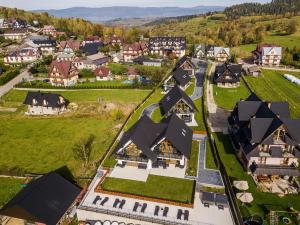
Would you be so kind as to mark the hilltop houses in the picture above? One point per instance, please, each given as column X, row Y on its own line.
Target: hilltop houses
column 178, row 102
column 45, row 103
column 15, row 35
column 49, row 30
column 178, row 77
column 228, row 75
column 168, row 142
column 63, row 73
column 266, row 138
column 132, row 51
column 164, row 46
column 267, row 55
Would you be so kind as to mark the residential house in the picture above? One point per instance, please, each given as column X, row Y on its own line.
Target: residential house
column 65, row 57
column 114, row 40
column 267, row 55
column 117, row 57
column 266, row 138
column 91, row 40
column 99, row 59
column 209, row 49
column 47, row 199
column 178, row 77
column 132, row 73
column 150, row 145
column 49, row 30
column 63, row 73
column 103, row 74
column 18, row 24
column 219, row 54
column 4, row 24
column 228, row 75
column 200, row 51
column 178, row 102
column 83, row 63
column 47, row 47
column 252, row 70
column 69, row 47
column 186, row 64
column 132, row 51
column 15, row 35
column 152, row 62
column 45, row 103
column 164, row 46
column 24, row 55
column 91, row 48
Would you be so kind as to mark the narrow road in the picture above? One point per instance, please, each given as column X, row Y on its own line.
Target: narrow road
column 9, row 85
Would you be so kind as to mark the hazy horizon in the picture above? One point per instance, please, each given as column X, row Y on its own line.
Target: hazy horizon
column 58, row 4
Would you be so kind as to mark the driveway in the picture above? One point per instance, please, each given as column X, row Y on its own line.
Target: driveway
column 9, row 85
column 149, row 110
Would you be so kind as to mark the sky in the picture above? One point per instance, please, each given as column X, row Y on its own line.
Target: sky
column 61, row 4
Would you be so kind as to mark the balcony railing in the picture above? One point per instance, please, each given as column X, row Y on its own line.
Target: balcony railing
column 168, row 156
column 132, row 158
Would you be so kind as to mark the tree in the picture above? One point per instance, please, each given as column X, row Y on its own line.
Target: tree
column 105, row 49
column 116, row 48
column 291, row 27
column 83, row 148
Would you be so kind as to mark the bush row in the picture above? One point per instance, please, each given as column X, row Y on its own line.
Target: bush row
column 9, row 75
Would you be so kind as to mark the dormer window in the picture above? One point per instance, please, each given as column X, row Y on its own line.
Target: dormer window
column 34, row 101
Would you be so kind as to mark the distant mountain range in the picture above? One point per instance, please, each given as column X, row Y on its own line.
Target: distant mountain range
column 123, row 12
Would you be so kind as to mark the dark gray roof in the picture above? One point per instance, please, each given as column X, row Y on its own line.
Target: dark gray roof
column 91, row 48
column 101, row 61
column 173, row 97
column 277, row 170
column 281, row 109
column 179, row 134
column 51, row 43
column 43, row 200
column 221, row 199
column 52, row 100
column 223, row 71
column 208, row 197
column 181, row 76
column 184, row 59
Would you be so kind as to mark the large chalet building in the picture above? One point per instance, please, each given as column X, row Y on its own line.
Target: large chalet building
column 267, row 55
column 49, row 30
column 45, row 103
column 15, row 35
column 265, row 137
column 186, row 64
column 150, row 145
column 63, row 73
column 178, row 102
column 164, row 46
column 132, row 51
column 47, row 47
column 228, row 75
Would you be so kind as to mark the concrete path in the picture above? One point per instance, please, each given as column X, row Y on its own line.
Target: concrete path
column 217, row 118
column 149, row 109
column 9, row 85
column 205, row 176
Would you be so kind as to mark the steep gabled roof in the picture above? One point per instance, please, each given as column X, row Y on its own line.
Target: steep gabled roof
column 181, row 76
column 183, row 60
column 64, row 68
column 43, row 200
column 102, row 72
column 173, row 97
column 74, row 45
column 91, row 48
column 233, row 70
column 51, row 99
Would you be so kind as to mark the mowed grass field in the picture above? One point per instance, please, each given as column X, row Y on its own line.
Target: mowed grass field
column 272, row 86
column 167, row 188
column 9, row 187
column 41, row 144
column 226, row 98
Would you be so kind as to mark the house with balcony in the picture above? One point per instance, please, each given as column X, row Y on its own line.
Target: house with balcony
column 219, row 54
column 15, row 35
column 63, row 73
column 24, row 55
column 150, row 145
column 132, row 51
column 165, row 46
column 49, row 30
column 266, row 138
column 178, row 102
column 69, row 47
column 186, row 64
column 179, row 77
column 200, row 51
column 228, row 75
column 45, row 103
column 267, row 55
column 91, row 39
column 47, row 47
column 115, row 40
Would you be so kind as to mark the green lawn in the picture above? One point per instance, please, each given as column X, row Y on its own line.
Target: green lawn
column 262, row 201
column 9, row 187
column 272, row 86
column 167, row 188
column 157, row 115
column 42, row 144
column 226, row 98
column 199, row 115
column 209, row 161
column 192, row 166
column 108, row 84
column 190, row 90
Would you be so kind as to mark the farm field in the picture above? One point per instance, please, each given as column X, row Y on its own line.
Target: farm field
column 262, row 201
column 226, row 98
column 272, row 86
column 167, row 188
column 41, row 144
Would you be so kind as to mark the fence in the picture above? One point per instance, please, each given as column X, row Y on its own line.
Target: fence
column 228, row 187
